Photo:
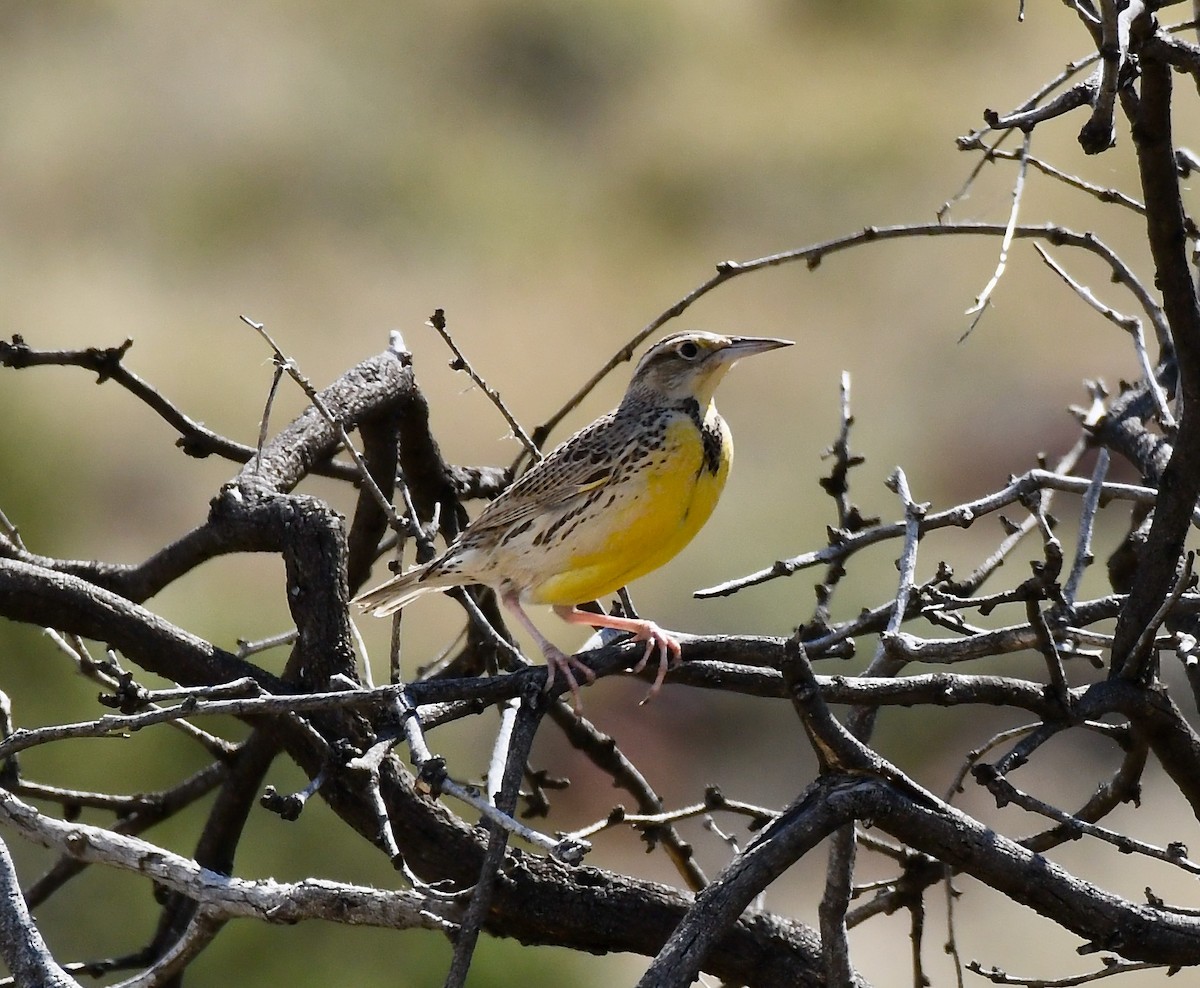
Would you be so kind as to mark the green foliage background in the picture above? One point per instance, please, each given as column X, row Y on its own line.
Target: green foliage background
column 553, row 174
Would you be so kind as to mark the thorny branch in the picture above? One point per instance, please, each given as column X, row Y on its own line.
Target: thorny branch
column 367, row 750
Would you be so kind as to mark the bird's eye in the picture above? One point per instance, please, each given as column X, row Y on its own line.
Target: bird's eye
column 689, row 350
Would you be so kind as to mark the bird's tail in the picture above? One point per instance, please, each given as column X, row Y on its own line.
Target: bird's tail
column 398, row 592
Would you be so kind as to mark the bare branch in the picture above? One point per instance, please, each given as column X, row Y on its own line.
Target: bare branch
column 1081, row 94
column 984, row 297
column 332, row 420
column 1100, row 193
column 1167, row 237
column 223, row 896
column 1130, row 324
column 961, row 516
column 1087, row 518
column 21, row 945
column 438, row 322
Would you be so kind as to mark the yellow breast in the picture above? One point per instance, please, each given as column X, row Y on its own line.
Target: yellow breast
column 659, row 500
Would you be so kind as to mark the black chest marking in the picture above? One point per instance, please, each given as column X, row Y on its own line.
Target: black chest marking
column 710, row 436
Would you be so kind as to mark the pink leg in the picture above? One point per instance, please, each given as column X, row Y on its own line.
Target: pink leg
column 656, row 639
column 555, row 657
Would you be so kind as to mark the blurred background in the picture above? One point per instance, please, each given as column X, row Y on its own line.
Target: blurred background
column 554, row 174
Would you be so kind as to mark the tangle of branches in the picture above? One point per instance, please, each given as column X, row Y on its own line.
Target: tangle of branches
column 1107, row 665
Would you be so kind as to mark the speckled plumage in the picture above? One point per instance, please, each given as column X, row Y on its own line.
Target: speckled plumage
column 615, row 501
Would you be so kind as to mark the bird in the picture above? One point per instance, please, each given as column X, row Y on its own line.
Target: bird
column 613, row 502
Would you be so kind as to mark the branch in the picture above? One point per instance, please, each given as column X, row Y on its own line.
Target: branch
column 875, row 790
column 1028, row 117
column 812, row 256
column 106, row 363
column 1100, row 193
column 603, row 751
column 1180, row 487
column 961, row 516
column 807, row 821
column 1131, row 325
column 984, row 298
column 21, row 945
column 1099, row 133
column 1005, row 792
column 47, row 598
column 438, row 323
column 223, row 896
column 379, row 387
column 1107, row 922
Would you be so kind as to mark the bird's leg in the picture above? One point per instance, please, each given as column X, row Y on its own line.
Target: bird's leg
column 656, row 639
column 555, row 657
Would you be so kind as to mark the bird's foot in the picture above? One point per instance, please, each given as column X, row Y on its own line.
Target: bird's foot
column 657, row 640
column 568, row 665
column 670, row 654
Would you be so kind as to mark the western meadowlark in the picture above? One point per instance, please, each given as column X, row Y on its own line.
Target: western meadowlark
column 613, row 502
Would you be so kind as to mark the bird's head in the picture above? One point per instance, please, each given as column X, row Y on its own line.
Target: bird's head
column 691, row 364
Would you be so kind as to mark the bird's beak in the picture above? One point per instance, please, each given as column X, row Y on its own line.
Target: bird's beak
column 747, row 346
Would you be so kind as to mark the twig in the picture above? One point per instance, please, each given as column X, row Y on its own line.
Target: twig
column 1123, row 787
column 984, row 298
column 1043, row 585
column 1081, row 94
column 1099, row 133
column 990, row 152
column 814, row 254
column 1036, row 98
column 107, row 364
column 603, row 751
column 1020, row 753
column 961, row 516
column 481, row 622
column 973, row 756
column 266, row 415
column 914, row 513
column 730, row 841
column 501, row 747
column 517, row 744
column 1146, row 639
column 264, row 703
column 916, row 910
column 1087, row 517
column 1065, row 466
column 364, row 475
column 368, row 764
column 998, row 641
column 1173, row 854
column 438, row 322
column 1131, row 325
column 201, row 929
column 837, row 486
column 1112, row 967
column 109, row 676
column 1104, row 194
column 433, row 774
column 24, row 951
column 951, row 929
column 10, row 532
column 268, row 900
column 247, row 648
column 714, row 801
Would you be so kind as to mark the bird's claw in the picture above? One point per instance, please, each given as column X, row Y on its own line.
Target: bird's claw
column 568, row 665
column 670, row 655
